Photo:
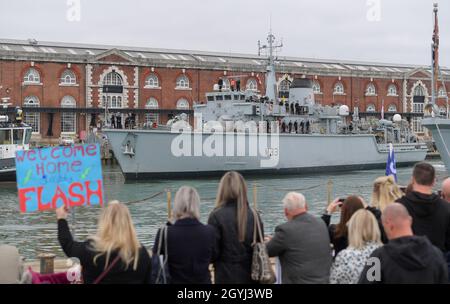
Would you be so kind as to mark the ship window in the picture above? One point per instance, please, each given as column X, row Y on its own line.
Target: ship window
column 5, row 137
column 152, row 103
column 242, row 97
column 236, row 97
column 32, row 118
column 219, row 97
column 68, row 78
column 18, row 136
column 68, row 119
column 31, row 76
column 227, row 97
column 210, row 98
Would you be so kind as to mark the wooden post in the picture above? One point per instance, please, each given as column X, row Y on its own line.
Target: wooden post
column 47, row 263
column 329, row 190
column 255, row 204
column 169, row 205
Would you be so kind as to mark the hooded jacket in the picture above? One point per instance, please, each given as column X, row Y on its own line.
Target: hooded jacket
column 406, row 260
column 431, row 217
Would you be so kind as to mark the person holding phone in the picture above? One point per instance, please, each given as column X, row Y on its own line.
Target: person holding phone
column 339, row 232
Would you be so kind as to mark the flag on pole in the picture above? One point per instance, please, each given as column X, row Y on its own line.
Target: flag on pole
column 391, row 168
column 382, row 109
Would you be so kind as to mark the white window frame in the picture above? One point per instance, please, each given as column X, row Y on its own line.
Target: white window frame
column 392, row 108
column 68, row 78
column 152, row 82
column 68, row 118
column 32, row 76
column 183, row 104
column 341, row 90
column 441, row 92
column 152, row 103
column 316, row 88
column 252, row 85
column 113, row 78
column 371, row 108
column 32, row 119
column 392, row 90
column 371, row 90
column 182, row 83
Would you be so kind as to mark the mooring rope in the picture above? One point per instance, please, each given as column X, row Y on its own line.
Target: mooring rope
column 146, row 198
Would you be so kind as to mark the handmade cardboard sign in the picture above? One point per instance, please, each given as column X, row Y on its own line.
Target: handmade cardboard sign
column 47, row 178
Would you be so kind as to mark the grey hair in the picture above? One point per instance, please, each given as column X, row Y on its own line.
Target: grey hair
column 186, row 203
column 294, row 200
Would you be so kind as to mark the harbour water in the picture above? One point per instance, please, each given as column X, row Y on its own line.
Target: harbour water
column 36, row 233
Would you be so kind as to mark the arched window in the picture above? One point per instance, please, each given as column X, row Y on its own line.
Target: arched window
column 370, row 108
column 152, row 81
column 392, row 108
column 419, row 91
column 442, row 92
column 32, row 118
column 68, row 119
column 370, row 90
column 392, row 90
column 68, row 78
column 150, row 118
column 182, row 82
column 338, row 89
column 31, row 76
column 252, row 85
column 316, row 87
column 113, row 78
column 182, row 104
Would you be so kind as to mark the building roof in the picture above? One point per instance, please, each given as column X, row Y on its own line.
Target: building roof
column 59, row 51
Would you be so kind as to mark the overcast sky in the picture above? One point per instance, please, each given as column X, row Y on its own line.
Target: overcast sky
column 400, row 32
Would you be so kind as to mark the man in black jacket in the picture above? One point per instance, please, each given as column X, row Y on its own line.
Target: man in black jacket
column 406, row 258
column 430, row 213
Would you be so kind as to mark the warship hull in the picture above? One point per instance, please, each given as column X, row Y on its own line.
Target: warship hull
column 152, row 154
column 7, row 169
column 440, row 129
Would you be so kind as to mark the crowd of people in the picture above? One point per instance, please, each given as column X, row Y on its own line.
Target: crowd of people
column 400, row 237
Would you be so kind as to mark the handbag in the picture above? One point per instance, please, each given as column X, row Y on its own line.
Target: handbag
column 160, row 265
column 107, row 270
column 262, row 270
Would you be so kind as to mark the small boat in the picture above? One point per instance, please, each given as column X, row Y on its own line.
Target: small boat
column 14, row 135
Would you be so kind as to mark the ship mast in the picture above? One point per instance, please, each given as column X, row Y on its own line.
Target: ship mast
column 270, row 75
column 435, row 56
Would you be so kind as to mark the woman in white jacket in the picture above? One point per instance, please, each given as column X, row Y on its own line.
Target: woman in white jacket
column 363, row 239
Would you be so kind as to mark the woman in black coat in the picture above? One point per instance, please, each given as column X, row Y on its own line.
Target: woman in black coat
column 114, row 244
column 233, row 222
column 190, row 244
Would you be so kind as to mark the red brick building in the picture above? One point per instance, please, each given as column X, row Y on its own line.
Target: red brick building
column 63, row 87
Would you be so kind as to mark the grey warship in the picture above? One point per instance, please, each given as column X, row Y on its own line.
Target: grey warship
column 253, row 134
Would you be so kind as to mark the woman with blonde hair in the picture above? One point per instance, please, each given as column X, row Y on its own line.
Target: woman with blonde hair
column 113, row 255
column 385, row 191
column 233, row 222
column 364, row 237
column 190, row 243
